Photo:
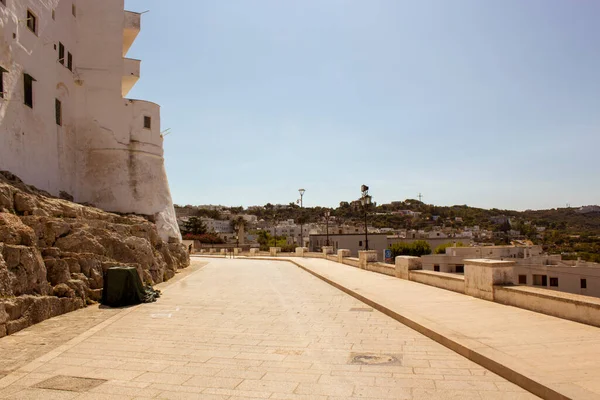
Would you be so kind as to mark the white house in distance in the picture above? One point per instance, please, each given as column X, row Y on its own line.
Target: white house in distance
column 65, row 124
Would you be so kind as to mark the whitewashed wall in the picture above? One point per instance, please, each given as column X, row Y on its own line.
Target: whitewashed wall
column 102, row 154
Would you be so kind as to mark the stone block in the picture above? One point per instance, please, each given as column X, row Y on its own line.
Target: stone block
column 273, row 251
column 342, row 253
column 237, row 251
column 300, row 251
column 405, row 264
column 481, row 275
column 366, row 256
column 223, row 251
column 327, row 250
column 254, row 251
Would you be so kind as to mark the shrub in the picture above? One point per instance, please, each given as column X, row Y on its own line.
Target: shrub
column 441, row 249
column 416, row 249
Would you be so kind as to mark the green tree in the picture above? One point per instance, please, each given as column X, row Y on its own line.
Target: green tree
column 194, row 226
column 416, row 249
column 441, row 249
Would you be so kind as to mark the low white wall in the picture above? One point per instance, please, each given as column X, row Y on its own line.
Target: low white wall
column 386, row 269
column 453, row 282
column 569, row 306
column 351, row 261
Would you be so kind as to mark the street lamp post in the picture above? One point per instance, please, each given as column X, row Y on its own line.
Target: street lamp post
column 301, row 191
column 366, row 202
column 327, row 214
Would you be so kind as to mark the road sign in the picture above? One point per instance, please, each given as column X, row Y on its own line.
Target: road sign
column 387, row 254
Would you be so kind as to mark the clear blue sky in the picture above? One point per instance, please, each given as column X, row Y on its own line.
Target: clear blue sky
column 485, row 103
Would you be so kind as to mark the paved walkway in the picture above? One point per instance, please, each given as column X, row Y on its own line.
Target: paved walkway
column 558, row 354
column 241, row 329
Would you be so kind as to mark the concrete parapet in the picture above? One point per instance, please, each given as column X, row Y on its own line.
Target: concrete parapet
column 212, row 251
column 574, row 307
column 254, row 251
column 481, row 275
column 442, row 280
column 237, row 251
column 327, row 250
column 365, row 257
column 404, row 264
column 274, row 250
column 223, row 251
column 300, row 251
column 343, row 253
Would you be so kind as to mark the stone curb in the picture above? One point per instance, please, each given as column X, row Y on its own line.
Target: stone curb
column 469, row 352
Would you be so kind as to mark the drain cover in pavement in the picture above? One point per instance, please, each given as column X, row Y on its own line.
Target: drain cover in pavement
column 373, row 359
column 364, row 309
column 70, row 383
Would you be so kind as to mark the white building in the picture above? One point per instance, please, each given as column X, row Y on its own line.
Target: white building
column 532, row 268
column 217, row 225
column 65, row 124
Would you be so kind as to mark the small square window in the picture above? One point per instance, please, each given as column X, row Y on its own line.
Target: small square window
column 360, row 243
column 32, row 21
column 460, row 269
column 61, row 53
column 147, row 122
column 58, row 112
column 584, row 283
column 522, row 279
column 554, row 282
column 436, row 268
column 70, row 62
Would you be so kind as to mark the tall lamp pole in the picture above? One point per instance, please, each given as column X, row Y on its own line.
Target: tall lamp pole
column 301, row 191
column 327, row 214
column 366, row 202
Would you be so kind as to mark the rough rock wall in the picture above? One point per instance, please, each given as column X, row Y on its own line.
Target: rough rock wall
column 53, row 253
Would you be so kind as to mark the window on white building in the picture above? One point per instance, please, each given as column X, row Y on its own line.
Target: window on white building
column 554, row 282
column 31, row 21
column 28, row 89
column 74, row 9
column 53, row 14
column 583, row 283
column 70, row 62
column 2, row 71
column 58, row 111
column 61, row 53
column 147, row 122
column 540, row 280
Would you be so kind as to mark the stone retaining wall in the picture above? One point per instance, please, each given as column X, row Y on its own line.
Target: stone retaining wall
column 53, row 253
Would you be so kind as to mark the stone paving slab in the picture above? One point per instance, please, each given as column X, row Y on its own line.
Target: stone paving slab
column 554, row 358
column 25, row 346
column 241, row 329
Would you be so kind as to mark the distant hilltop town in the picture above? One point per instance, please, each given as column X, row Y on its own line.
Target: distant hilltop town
column 573, row 233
